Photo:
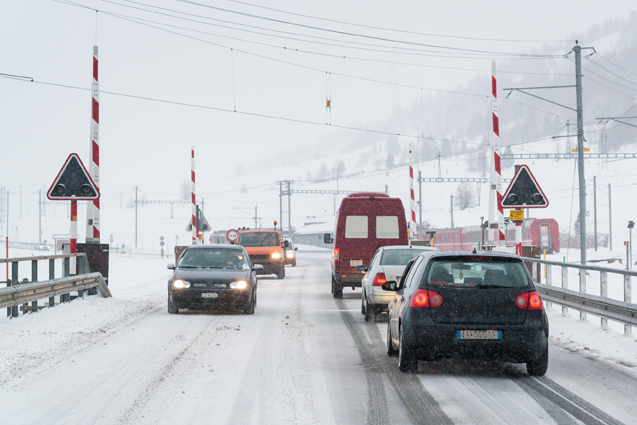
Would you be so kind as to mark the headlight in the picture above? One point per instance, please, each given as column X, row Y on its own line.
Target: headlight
column 179, row 284
column 290, row 254
column 276, row 255
column 239, row 284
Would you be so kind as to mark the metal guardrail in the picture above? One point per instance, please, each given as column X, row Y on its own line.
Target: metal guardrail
column 600, row 305
column 27, row 292
column 20, row 292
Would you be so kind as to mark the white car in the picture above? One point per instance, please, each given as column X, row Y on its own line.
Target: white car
column 387, row 264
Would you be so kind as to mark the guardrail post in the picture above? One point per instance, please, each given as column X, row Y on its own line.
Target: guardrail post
column 81, row 270
column 51, row 277
column 565, row 286
column 66, row 298
column 14, row 281
column 34, row 278
column 627, row 299
column 603, row 292
column 582, row 289
column 534, row 271
column 549, row 280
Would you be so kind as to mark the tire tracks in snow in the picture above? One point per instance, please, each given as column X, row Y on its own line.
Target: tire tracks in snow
column 418, row 402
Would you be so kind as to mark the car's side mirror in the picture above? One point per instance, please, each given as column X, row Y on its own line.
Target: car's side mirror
column 296, row 249
column 171, row 266
column 286, row 244
column 361, row 268
column 327, row 238
column 257, row 267
column 390, row 286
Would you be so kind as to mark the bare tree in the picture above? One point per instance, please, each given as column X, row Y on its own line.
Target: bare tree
column 465, row 197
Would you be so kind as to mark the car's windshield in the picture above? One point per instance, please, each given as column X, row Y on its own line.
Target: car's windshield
column 480, row 272
column 213, row 259
column 398, row 257
column 259, row 239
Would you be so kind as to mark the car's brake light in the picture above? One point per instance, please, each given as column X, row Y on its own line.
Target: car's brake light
column 529, row 301
column 379, row 279
column 425, row 298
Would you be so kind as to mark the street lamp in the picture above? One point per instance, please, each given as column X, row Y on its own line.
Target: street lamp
column 631, row 224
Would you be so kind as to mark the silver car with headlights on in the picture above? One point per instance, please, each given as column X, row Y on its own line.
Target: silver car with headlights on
column 212, row 277
column 387, row 264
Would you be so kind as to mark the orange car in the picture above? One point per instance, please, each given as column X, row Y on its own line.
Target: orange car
column 265, row 247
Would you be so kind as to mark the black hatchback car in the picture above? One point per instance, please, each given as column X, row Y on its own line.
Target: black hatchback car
column 213, row 277
column 467, row 305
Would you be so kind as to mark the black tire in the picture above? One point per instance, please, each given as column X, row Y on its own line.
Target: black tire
column 538, row 367
column 370, row 312
column 294, row 263
column 363, row 309
column 281, row 273
column 407, row 362
column 172, row 308
column 391, row 350
column 253, row 302
column 332, row 288
column 338, row 290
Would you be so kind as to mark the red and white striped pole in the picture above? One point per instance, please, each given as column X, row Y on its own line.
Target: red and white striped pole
column 93, row 207
column 496, row 212
column 195, row 233
column 73, row 232
column 412, row 199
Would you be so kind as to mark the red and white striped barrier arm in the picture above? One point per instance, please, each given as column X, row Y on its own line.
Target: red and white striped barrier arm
column 93, row 207
column 497, row 181
column 412, row 199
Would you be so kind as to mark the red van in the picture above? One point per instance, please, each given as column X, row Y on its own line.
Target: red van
column 364, row 222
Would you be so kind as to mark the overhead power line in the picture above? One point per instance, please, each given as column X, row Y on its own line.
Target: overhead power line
column 253, row 114
column 397, row 30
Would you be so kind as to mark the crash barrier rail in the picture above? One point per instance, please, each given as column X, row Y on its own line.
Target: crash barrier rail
column 22, row 292
column 594, row 299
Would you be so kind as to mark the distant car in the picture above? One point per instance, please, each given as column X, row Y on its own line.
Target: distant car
column 388, row 263
column 464, row 305
column 213, row 277
column 290, row 254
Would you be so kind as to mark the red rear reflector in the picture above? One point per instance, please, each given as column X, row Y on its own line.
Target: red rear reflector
column 529, row 301
column 425, row 298
column 343, row 275
column 379, row 279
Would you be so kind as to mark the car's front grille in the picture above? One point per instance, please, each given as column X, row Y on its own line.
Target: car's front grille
column 210, row 285
column 260, row 257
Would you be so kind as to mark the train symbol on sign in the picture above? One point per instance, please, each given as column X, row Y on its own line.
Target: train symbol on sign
column 73, row 182
column 524, row 191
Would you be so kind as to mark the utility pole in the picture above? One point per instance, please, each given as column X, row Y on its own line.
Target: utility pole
column 420, row 201
column 136, row 216
column 39, row 215
column 451, row 211
column 289, row 210
column 580, row 151
column 281, row 206
column 595, row 208
column 255, row 217
column 610, row 222
column 568, row 138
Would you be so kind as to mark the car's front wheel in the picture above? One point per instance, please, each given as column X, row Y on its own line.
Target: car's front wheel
column 250, row 309
column 172, row 308
column 538, row 367
column 407, row 362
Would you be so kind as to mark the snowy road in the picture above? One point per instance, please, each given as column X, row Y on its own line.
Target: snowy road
column 302, row 358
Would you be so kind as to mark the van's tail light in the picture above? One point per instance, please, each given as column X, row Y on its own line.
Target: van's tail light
column 337, row 263
column 379, row 279
column 426, row 298
column 529, row 301
column 336, row 253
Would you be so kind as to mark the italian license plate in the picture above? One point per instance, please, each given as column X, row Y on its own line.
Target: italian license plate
column 209, row 295
column 354, row 263
column 478, row 334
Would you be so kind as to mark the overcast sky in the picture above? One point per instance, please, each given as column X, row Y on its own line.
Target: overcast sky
column 146, row 143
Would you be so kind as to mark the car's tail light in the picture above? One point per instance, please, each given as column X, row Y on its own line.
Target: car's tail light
column 379, row 279
column 529, row 301
column 425, row 298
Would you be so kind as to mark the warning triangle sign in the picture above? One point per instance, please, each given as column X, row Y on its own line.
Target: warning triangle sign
column 73, row 182
column 202, row 224
column 524, row 191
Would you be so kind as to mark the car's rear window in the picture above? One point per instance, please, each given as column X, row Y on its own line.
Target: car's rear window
column 398, row 257
column 259, row 239
column 356, row 227
column 211, row 258
column 480, row 272
column 387, row 227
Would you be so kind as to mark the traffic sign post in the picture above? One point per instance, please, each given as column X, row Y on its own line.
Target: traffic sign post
column 231, row 235
column 73, row 183
column 523, row 192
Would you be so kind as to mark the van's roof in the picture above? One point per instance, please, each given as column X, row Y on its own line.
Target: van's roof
column 259, row 231
column 368, row 195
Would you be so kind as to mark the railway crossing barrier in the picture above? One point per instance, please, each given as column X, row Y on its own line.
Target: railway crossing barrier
column 593, row 299
column 18, row 292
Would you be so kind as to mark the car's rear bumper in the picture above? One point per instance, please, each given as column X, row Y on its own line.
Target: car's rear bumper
column 519, row 343
column 379, row 297
column 349, row 279
column 193, row 299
